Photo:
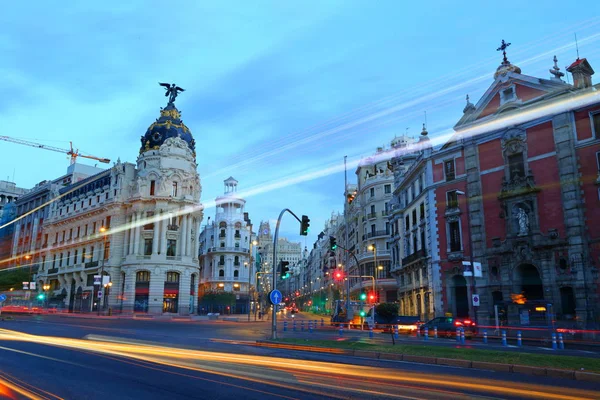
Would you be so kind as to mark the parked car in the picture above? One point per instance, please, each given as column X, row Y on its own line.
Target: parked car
column 406, row 323
column 447, row 326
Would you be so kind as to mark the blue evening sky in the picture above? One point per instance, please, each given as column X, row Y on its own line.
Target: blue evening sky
column 275, row 89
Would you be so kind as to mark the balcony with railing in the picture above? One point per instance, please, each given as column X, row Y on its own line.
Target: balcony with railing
column 375, row 234
column 422, row 253
column 228, row 249
column 91, row 264
column 372, row 215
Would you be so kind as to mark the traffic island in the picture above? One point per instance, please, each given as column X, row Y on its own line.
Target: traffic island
column 554, row 366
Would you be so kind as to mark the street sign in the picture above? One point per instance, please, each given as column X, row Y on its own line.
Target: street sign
column 99, row 294
column 25, row 285
column 105, row 280
column 477, row 270
column 467, row 270
column 97, row 279
column 475, row 300
column 275, row 297
column 32, row 285
column 2, row 298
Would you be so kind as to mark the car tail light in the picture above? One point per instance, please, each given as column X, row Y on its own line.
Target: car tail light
column 467, row 321
column 457, row 323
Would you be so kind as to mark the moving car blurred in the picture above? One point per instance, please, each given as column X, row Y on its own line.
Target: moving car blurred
column 447, row 326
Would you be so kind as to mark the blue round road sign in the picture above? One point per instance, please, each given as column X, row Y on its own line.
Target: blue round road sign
column 2, row 297
column 275, row 296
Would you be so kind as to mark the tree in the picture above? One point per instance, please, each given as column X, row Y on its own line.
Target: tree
column 13, row 278
column 387, row 311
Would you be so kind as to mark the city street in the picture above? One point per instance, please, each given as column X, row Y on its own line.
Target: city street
column 70, row 357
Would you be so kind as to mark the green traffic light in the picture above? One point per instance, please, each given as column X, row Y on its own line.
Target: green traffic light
column 40, row 296
column 363, row 296
column 362, row 314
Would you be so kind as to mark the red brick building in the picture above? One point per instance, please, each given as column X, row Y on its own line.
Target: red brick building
column 523, row 169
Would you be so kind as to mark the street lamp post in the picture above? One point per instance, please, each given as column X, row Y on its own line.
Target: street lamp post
column 373, row 248
column 46, row 288
column 473, row 287
column 104, row 232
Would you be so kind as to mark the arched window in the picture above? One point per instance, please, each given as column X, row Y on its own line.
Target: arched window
column 222, row 224
column 221, row 273
column 142, row 276
column 173, row 277
column 236, row 273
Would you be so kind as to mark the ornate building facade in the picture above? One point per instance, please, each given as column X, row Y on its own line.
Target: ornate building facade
column 225, row 251
column 135, row 224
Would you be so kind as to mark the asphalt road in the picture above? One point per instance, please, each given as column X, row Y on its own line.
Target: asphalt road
column 53, row 357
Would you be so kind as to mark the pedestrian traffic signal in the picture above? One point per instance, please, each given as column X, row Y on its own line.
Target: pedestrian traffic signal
column 363, row 296
column 332, row 243
column 304, row 225
column 285, row 271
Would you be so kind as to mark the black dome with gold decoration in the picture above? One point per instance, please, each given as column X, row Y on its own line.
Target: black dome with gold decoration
column 169, row 125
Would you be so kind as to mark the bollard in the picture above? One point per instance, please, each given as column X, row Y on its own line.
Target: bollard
column 315, row 323
column 418, row 332
column 395, row 331
column 371, row 332
column 519, row 339
column 485, row 336
column 457, row 335
column 302, row 326
column 322, row 322
column 554, row 341
column 561, row 343
column 341, row 331
column 426, row 336
column 462, row 336
column 294, row 326
column 435, row 332
column 504, row 339
column 285, row 326
column 310, row 327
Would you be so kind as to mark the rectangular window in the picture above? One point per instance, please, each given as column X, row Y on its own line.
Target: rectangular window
column 372, row 209
column 171, row 247
column 92, row 253
column 150, row 225
column 70, row 233
column 75, row 256
column 94, row 227
column 596, row 125
column 108, row 222
column 387, row 189
column 106, row 196
column 98, row 199
column 147, row 247
column 90, row 201
column 414, row 217
column 56, row 238
column 85, row 230
column 60, row 260
column 407, row 223
column 174, row 194
column 516, row 166
column 598, row 160
column 68, row 258
column 107, row 250
column 152, row 188
column 372, row 192
column 454, row 233
column 78, row 231
column 54, row 261
column 83, row 255
column 422, row 211
column 449, row 170
column 452, row 199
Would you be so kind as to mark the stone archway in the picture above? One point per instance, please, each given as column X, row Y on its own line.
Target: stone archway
column 461, row 296
column 529, row 282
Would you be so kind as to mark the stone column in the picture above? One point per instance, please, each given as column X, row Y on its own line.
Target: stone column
column 157, row 289
column 136, row 239
column 36, row 222
column 126, row 238
column 183, row 306
column 184, row 235
column 155, row 237
column 16, row 239
column 132, row 232
column 129, row 291
column 163, row 237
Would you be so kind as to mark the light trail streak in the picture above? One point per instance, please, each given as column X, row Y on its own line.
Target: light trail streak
column 188, row 359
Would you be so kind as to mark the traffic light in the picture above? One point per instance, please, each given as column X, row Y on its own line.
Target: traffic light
column 304, row 225
column 285, row 271
column 41, row 296
column 363, row 296
column 372, row 297
column 338, row 275
column 332, row 243
column 362, row 313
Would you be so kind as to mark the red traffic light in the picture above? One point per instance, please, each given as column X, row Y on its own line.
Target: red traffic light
column 372, row 297
column 339, row 275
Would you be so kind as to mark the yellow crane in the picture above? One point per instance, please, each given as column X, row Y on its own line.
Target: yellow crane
column 72, row 153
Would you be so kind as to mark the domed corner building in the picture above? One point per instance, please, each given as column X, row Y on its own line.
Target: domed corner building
column 137, row 225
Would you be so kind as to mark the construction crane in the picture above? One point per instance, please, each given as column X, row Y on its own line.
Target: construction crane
column 73, row 153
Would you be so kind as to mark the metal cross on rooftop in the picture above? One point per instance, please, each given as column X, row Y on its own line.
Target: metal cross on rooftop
column 503, row 49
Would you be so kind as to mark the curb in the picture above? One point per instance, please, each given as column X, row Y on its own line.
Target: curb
column 454, row 362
